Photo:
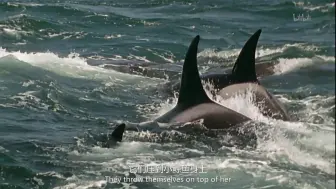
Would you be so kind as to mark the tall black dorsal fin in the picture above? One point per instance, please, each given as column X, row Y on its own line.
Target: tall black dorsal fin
column 244, row 68
column 191, row 88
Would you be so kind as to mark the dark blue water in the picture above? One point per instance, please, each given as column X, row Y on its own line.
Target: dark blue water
column 54, row 102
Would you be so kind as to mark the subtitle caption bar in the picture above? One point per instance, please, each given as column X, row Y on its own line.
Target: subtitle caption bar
column 155, row 169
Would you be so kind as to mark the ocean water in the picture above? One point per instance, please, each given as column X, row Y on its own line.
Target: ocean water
column 55, row 104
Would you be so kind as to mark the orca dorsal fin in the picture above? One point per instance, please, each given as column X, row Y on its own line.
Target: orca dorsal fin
column 118, row 132
column 244, row 68
column 191, row 88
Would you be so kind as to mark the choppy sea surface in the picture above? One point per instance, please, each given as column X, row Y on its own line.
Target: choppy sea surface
column 54, row 103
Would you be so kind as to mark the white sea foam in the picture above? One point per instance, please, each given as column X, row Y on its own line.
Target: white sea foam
column 304, row 150
column 75, row 66
column 113, row 36
column 287, row 65
column 82, row 184
column 311, row 7
column 276, row 149
column 14, row 32
column 261, row 51
column 284, row 65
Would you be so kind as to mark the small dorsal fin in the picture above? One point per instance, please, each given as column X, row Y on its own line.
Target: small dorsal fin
column 118, row 132
column 191, row 88
column 244, row 68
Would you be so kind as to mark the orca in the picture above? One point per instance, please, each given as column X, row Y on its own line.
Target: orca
column 244, row 78
column 193, row 103
column 161, row 70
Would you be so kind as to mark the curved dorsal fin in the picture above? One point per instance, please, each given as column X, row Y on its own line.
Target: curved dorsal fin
column 118, row 132
column 244, row 68
column 191, row 88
